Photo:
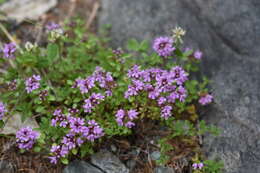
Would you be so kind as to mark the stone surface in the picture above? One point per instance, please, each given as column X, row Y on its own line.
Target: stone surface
column 14, row 123
column 6, row 167
column 228, row 33
column 26, row 9
column 162, row 169
column 81, row 167
column 108, row 162
column 155, row 155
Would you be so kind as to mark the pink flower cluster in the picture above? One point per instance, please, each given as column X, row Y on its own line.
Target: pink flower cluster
column 32, row 83
column 92, row 101
column 163, row 46
column 197, row 165
column 205, row 99
column 99, row 78
column 2, row 110
column 9, row 50
column 166, row 87
column 79, row 132
column 125, row 118
column 26, row 137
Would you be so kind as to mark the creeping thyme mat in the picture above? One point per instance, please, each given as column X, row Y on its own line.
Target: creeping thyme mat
column 86, row 96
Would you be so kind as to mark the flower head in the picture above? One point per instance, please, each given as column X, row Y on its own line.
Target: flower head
column 52, row 26
column 206, row 99
column 32, row 83
column 26, row 137
column 166, row 112
column 178, row 33
column 59, row 119
column 94, row 131
column 163, row 46
column 124, row 118
column 76, row 124
column 55, row 30
column 9, row 50
column 197, row 54
column 2, row 110
column 197, row 165
column 92, row 101
column 57, row 152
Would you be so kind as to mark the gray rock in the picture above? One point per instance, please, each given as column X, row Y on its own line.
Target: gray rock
column 108, row 162
column 14, row 123
column 155, row 155
column 26, row 9
column 6, row 167
column 131, row 164
column 228, row 33
column 162, row 169
column 81, row 167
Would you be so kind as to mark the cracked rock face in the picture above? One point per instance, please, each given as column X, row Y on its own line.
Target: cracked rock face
column 228, row 33
column 81, row 167
column 108, row 162
column 101, row 162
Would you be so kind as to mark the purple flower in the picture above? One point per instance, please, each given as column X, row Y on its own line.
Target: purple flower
column 125, row 119
column 118, row 52
column 94, row 131
column 166, row 112
column 163, row 46
column 200, row 165
column 182, row 93
column 9, row 50
column 154, row 94
column 161, row 100
column 58, row 151
column 32, row 83
column 130, row 124
column 132, row 114
column 26, row 137
column 71, row 140
column 59, row 119
column 134, row 72
column 2, row 110
column 179, row 75
column 119, row 117
column 104, row 79
column 92, row 101
column 52, row 26
column 195, row 165
column 197, row 54
column 85, row 84
column 204, row 100
column 73, row 111
column 76, row 124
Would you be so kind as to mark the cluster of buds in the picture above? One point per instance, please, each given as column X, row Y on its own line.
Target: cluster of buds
column 54, row 30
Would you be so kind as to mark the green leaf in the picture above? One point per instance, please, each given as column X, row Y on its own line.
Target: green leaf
column 40, row 109
column 74, row 151
column 37, row 149
column 64, row 160
column 144, row 45
column 52, row 52
column 1, row 123
column 51, row 98
column 133, row 45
